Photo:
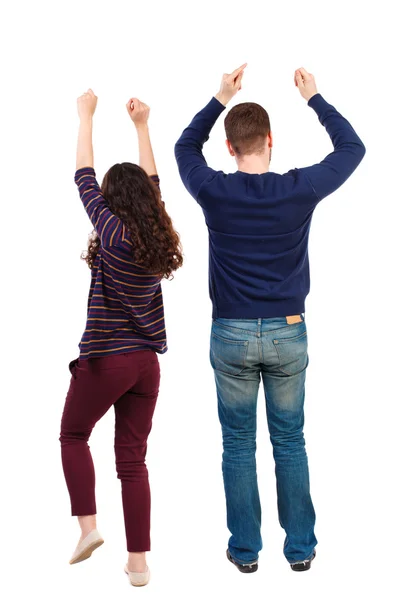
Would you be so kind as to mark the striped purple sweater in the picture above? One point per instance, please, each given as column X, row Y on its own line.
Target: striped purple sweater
column 125, row 306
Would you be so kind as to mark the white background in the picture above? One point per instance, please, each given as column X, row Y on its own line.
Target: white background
column 172, row 55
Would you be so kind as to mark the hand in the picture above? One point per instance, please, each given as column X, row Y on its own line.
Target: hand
column 230, row 85
column 305, row 83
column 86, row 105
column 138, row 111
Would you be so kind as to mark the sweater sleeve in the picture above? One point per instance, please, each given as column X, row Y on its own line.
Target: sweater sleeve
column 328, row 175
column 109, row 228
column 192, row 165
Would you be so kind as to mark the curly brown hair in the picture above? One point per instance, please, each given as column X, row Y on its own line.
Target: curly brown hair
column 135, row 199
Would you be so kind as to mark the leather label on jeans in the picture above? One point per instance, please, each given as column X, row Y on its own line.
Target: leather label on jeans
column 294, row 319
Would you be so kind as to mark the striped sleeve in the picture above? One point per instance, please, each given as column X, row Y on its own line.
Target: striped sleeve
column 108, row 227
column 156, row 181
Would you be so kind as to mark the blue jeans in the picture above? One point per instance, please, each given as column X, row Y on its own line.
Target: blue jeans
column 242, row 351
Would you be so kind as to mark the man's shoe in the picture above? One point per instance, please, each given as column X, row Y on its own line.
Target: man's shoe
column 303, row 565
column 247, row 568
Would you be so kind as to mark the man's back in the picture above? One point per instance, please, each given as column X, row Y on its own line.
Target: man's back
column 259, row 223
column 258, row 235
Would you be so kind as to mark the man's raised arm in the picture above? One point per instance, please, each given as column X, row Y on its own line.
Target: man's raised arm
column 328, row 175
column 192, row 165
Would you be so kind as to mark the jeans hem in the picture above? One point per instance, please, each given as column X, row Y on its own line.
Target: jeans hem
column 243, row 564
column 297, row 562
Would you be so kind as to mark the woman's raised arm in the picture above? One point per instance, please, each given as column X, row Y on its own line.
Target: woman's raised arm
column 139, row 113
column 86, row 105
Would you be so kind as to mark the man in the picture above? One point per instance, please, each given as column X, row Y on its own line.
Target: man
column 259, row 223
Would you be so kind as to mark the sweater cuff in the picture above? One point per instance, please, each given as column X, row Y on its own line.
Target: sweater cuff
column 215, row 108
column 83, row 171
column 317, row 103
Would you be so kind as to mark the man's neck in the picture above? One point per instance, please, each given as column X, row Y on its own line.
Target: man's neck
column 253, row 164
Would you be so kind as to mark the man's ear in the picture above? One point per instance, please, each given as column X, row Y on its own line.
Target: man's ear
column 270, row 139
column 229, row 148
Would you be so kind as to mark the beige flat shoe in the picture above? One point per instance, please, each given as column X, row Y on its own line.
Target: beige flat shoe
column 87, row 547
column 138, row 579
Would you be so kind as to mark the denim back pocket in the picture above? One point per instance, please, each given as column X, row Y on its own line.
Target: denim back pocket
column 292, row 349
column 228, row 356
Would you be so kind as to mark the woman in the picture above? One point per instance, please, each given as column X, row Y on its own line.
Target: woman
column 131, row 249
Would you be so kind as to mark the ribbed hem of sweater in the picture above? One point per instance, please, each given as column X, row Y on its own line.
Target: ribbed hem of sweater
column 267, row 309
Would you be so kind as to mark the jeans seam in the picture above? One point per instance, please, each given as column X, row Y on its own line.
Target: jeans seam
column 234, row 329
column 289, row 340
column 234, row 342
column 260, row 350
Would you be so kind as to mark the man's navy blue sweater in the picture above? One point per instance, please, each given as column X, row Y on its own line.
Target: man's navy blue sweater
column 259, row 224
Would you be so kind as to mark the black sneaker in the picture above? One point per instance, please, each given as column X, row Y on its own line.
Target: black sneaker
column 303, row 565
column 247, row 568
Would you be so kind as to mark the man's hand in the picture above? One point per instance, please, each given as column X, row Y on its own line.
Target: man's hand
column 86, row 105
column 305, row 83
column 138, row 111
column 230, row 85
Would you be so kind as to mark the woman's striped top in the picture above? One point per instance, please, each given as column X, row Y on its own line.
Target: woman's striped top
column 125, row 306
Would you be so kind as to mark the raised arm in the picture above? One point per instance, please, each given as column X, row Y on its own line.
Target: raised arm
column 109, row 228
column 139, row 113
column 328, row 175
column 192, row 165
column 86, row 105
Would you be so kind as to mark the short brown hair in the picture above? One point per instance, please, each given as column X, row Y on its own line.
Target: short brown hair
column 247, row 126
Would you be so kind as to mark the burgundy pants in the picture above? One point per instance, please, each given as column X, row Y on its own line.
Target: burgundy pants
column 129, row 382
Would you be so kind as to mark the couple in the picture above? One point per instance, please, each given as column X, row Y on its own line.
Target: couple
column 258, row 224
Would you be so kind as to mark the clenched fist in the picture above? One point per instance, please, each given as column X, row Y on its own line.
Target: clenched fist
column 230, row 85
column 138, row 111
column 305, row 83
column 86, row 105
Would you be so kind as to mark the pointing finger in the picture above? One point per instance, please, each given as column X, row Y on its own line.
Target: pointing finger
column 238, row 80
column 237, row 71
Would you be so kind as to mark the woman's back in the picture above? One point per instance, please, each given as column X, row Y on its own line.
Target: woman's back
column 125, row 307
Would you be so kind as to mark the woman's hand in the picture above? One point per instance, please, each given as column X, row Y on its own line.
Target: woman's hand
column 138, row 111
column 86, row 105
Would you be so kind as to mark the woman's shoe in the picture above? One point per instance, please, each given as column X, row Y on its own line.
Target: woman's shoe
column 85, row 548
column 138, row 579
